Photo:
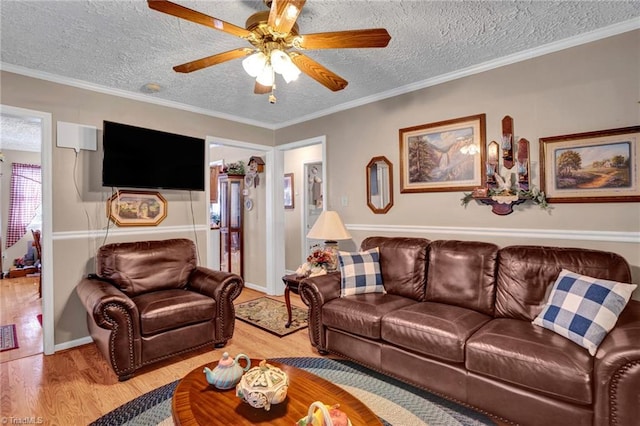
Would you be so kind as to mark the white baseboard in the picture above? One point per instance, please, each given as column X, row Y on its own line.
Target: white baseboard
column 73, row 343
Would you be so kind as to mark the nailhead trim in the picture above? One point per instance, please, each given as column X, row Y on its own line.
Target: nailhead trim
column 310, row 299
column 613, row 390
column 114, row 333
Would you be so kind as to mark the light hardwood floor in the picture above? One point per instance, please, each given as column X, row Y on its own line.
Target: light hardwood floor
column 21, row 305
column 76, row 386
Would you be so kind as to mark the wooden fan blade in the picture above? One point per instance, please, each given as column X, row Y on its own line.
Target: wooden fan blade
column 259, row 89
column 283, row 14
column 197, row 17
column 319, row 73
column 374, row 37
column 212, row 60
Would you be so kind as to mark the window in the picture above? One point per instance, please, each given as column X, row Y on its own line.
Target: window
column 25, row 197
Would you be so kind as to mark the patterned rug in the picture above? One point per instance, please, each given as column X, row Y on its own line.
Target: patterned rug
column 8, row 337
column 271, row 315
column 394, row 402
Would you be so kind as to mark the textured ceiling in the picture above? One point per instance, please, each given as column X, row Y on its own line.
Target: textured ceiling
column 123, row 45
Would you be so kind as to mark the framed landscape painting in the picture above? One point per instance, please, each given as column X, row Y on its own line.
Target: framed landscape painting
column 592, row 167
column 443, row 156
column 137, row 208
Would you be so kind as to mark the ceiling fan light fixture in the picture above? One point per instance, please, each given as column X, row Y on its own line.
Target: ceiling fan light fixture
column 280, row 61
column 255, row 64
column 266, row 77
column 291, row 73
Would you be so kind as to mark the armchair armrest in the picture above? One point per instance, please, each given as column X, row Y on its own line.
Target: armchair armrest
column 224, row 287
column 315, row 292
column 113, row 321
column 617, row 371
column 100, row 297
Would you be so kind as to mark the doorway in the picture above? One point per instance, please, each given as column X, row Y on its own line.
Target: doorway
column 306, row 160
column 256, row 205
column 26, row 298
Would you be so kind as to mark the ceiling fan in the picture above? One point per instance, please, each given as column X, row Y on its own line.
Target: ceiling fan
column 277, row 44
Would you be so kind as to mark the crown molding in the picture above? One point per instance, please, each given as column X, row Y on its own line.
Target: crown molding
column 601, row 33
column 141, row 97
column 588, row 37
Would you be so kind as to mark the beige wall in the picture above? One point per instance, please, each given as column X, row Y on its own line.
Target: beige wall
column 19, row 249
column 79, row 222
column 585, row 88
column 589, row 87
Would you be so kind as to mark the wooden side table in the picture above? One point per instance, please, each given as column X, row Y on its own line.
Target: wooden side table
column 291, row 283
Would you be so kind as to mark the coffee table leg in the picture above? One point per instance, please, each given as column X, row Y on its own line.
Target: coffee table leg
column 287, row 300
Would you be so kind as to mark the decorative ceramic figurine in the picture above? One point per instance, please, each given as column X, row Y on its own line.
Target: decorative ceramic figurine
column 263, row 386
column 228, row 372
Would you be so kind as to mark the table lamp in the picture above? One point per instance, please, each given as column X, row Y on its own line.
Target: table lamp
column 329, row 227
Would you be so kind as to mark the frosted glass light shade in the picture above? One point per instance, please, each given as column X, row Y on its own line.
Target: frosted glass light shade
column 329, row 226
column 266, row 77
column 292, row 73
column 254, row 64
column 279, row 61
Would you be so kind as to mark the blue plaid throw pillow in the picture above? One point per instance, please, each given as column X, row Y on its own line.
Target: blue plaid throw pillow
column 360, row 272
column 584, row 309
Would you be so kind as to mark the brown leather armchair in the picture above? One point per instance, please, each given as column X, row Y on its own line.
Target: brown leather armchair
column 149, row 301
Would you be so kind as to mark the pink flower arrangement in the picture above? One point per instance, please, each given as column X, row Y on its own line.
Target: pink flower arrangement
column 320, row 258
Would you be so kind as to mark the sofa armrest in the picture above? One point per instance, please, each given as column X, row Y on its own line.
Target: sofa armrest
column 315, row 292
column 224, row 287
column 617, row 371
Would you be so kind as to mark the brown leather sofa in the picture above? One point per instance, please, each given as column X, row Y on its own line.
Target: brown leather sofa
column 148, row 301
column 456, row 320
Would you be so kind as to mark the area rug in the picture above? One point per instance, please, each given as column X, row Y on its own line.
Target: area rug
column 8, row 337
column 271, row 315
column 394, row 402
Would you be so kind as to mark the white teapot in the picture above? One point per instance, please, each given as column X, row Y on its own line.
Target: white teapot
column 263, row 386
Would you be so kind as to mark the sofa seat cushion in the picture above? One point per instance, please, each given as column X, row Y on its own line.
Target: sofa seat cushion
column 535, row 358
column 433, row 329
column 168, row 309
column 361, row 314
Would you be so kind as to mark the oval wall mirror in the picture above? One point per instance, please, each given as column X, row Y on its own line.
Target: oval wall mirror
column 379, row 185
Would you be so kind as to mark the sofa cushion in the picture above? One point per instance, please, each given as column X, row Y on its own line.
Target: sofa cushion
column 532, row 357
column 433, row 329
column 168, row 309
column 584, row 309
column 462, row 273
column 525, row 273
column 361, row 314
column 403, row 263
column 360, row 272
column 138, row 267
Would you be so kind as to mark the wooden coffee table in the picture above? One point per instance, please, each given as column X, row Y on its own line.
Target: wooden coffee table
column 195, row 402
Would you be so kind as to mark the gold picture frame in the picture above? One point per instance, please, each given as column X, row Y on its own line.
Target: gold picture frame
column 592, row 167
column 136, row 208
column 443, row 156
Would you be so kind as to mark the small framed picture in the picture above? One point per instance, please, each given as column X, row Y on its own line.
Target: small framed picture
column 592, row 167
column 288, row 191
column 136, row 208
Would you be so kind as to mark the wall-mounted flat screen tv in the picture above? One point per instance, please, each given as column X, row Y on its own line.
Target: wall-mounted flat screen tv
column 135, row 157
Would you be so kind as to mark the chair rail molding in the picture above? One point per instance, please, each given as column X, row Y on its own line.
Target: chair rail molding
column 563, row 234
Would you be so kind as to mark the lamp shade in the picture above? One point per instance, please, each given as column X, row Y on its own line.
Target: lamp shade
column 329, row 226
